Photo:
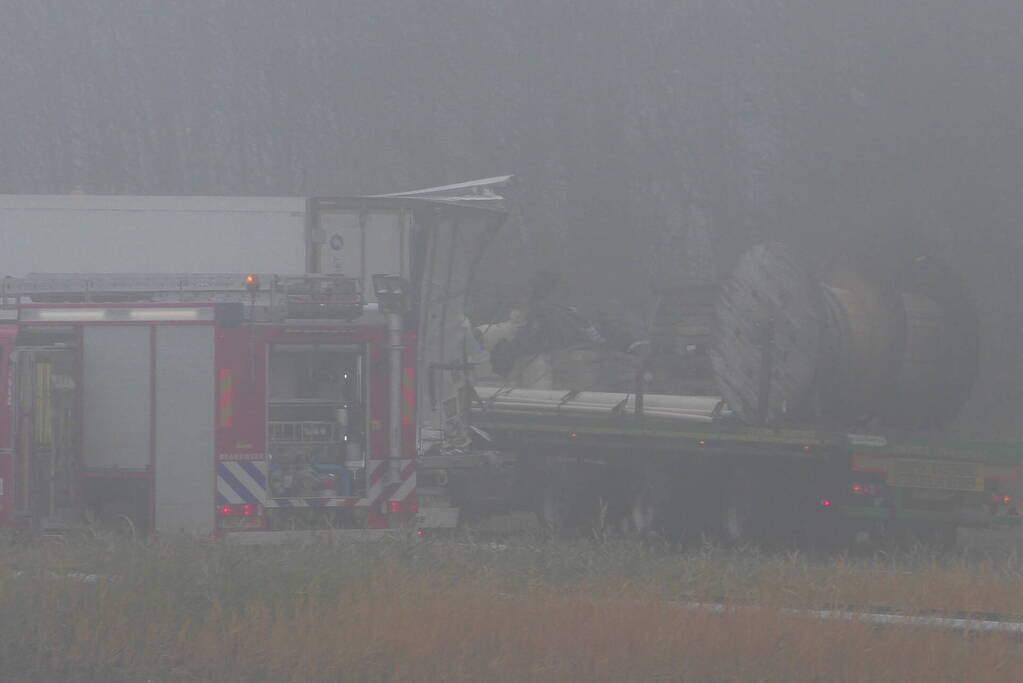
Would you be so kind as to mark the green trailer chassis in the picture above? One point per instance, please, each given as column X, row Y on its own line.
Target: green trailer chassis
column 631, row 438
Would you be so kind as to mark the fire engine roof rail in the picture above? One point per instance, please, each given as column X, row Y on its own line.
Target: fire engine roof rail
column 276, row 296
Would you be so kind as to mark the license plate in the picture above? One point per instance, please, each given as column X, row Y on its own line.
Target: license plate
column 933, row 474
column 235, row 523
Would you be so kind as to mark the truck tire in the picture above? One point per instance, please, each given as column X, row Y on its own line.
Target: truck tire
column 554, row 507
column 742, row 517
column 651, row 507
column 642, row 514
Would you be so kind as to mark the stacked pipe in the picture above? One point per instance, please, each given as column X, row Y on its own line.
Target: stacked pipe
column 895, row 345
column 598, row 404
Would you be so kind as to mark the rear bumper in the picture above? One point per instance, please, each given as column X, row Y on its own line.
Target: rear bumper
column 313, row 535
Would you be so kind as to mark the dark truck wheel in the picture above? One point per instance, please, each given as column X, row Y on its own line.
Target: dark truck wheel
column 558, row 505
column 642, row 513
column 753, row 510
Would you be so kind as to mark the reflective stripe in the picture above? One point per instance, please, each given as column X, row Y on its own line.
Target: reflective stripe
column 408, row 481
column 241, row 482
column 255, row 471
column 375, row 482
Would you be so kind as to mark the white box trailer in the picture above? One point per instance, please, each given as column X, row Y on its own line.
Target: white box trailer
column 151, row 234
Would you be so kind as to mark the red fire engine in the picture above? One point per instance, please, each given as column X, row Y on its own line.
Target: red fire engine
column 253, row 407
column 200, row 404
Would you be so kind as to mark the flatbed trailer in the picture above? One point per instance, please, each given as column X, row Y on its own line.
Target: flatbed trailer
column 701, row 469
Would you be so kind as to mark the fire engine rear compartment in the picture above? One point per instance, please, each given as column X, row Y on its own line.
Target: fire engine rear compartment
column 99, row 410
column 137, row 426
column 316, row 397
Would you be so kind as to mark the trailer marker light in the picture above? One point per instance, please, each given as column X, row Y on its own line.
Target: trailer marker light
column 420, row 532
column 395, row 506
column 862, row 489
column 226, row 511
column 825, row 502
column 701, row 442
column 248, row 510
column 572, row 435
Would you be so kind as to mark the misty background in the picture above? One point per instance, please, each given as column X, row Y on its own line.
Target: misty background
column 653, row 140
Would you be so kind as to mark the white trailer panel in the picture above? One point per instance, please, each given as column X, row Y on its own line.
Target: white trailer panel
column 362, row 243
column 185, row 473
column 119, row 234
column 116, row 397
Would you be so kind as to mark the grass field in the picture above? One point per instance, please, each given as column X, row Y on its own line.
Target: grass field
column 476, row 611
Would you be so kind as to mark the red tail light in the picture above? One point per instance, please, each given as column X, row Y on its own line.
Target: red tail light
column 825, row 502
column 244, row 510
column 396, row 506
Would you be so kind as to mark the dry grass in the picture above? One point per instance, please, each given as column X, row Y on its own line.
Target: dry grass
column 474, row 612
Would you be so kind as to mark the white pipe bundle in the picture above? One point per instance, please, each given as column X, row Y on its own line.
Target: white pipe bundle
column 541, row 401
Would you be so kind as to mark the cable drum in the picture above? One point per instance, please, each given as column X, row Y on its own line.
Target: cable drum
column 940, row 346
column 769, row 329
column 862, row 357
column 897, row 346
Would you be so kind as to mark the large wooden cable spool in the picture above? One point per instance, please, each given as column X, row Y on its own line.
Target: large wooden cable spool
column 770, row 319
column 863, row 331
column 898, row 346
column 940, row 346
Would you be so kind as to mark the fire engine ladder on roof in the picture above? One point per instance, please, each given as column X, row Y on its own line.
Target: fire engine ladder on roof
column 266, row 297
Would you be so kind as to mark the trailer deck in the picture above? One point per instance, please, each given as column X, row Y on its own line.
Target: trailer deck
column 892, row 476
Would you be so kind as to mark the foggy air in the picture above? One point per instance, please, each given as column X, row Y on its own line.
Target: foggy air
column 576, row 306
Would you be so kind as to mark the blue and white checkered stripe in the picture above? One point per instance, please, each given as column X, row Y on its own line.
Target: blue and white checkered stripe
column 241, row 482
